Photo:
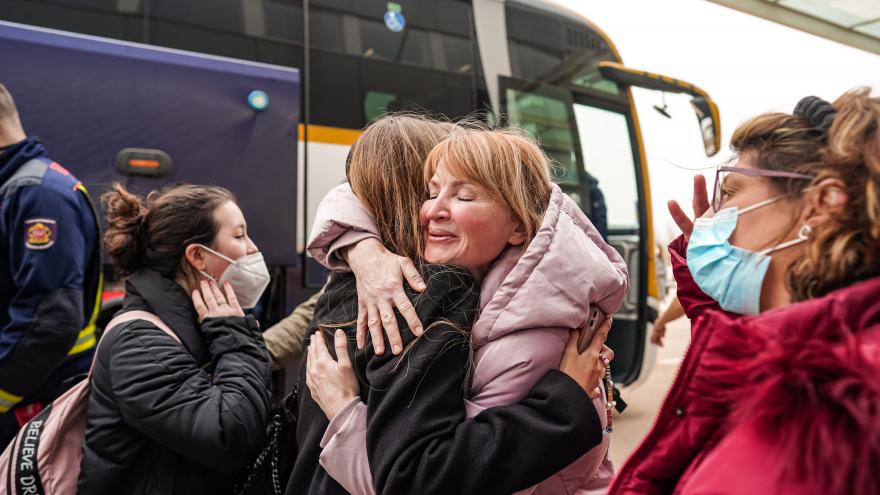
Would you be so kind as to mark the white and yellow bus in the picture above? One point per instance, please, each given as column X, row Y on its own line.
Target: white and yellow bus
column 529, row 62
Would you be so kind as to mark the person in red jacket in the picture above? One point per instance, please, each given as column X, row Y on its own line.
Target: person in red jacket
column 779, row 390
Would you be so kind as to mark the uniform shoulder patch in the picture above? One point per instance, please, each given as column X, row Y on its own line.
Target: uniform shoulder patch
column 58, row 168
column 39, row 233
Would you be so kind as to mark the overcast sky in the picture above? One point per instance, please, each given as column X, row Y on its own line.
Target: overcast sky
column 748, row 66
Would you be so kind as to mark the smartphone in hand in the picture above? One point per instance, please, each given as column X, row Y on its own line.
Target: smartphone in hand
column 595, row 319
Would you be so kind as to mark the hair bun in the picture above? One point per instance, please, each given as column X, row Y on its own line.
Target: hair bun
column 817, row 111
column 124, row 237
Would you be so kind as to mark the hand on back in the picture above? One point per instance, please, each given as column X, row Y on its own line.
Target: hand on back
column 332, row 382
column 380, row 275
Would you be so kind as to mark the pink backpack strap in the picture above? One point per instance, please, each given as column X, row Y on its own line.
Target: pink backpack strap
column 130, row 316
column 141, row 315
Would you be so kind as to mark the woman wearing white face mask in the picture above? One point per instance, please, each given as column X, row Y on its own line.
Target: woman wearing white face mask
column 247, row 275
column 180, row 409
column 783, row 401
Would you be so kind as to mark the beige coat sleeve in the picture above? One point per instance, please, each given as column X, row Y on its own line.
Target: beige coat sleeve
column 284, row 340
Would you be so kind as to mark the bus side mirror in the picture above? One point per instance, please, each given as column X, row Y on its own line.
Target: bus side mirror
column 703, row 108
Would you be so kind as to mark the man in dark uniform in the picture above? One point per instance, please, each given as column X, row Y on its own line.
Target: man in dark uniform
column 50, row 275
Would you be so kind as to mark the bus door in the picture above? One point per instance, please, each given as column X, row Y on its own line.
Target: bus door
column 588, row 138
column 605, row 133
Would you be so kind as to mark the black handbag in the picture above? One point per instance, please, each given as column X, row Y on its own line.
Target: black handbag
column 268, row 474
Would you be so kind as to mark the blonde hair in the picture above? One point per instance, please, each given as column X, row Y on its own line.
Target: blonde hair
column 8, row 112
column 384, row 169
column 506, row 162
column 846, row 248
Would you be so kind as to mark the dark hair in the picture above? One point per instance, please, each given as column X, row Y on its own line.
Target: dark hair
column 843, row 143
column 155, row 233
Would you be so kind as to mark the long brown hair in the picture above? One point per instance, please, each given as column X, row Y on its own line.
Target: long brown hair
column 384, row 169
column 154, row 233
column 846, row 248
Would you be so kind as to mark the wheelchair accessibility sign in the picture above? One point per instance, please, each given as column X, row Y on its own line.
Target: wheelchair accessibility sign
column 394, row 19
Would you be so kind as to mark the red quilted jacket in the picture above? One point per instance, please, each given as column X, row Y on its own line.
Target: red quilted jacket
column 784, row 402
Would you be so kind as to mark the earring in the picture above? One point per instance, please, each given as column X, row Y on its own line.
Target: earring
column 805, row 232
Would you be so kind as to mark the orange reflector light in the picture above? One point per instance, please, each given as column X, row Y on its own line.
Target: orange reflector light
column 143, row 163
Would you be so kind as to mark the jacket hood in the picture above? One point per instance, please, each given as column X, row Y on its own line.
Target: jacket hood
column 15, row 155
column 565, row 268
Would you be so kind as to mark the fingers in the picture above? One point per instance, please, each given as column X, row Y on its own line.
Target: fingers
column 408, row 311
column 658, row 334
column 656, row 338
column 208, row 296
column 572, row 344
column 230, row 297
column 607, row 354
column 341, row 345
column 199, row 304
column 598, row 374
column 310, row 364
column 680, row 218
column 411, row 275
column 389, row 323
column 701, row 196
column 595, row 393
column 598, row 341
column 375, row 326
column 361, row 332
column 218, row 294
column 321, row 353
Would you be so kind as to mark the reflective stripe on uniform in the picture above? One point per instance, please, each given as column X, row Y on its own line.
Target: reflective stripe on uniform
column 86, row 338
column 8, row 400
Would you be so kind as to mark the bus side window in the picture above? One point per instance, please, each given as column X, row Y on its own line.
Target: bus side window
column 116, row 20
column 608, row 157
column 546, row 113
column 607, row 152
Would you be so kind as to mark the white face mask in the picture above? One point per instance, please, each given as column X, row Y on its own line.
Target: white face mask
column 247, row 275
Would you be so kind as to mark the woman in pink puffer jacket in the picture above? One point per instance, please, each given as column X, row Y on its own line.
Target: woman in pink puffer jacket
column 529, row 301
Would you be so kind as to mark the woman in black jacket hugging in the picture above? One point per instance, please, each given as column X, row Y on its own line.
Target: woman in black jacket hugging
column 178, row 417
column 501, row 450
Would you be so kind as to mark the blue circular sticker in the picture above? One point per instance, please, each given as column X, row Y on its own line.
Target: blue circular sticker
column 395, row 21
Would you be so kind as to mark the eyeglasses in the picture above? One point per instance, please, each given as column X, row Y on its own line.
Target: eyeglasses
column 718, row 196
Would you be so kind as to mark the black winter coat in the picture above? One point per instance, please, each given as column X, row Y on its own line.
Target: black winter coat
column 419, row 439
column 170, row 419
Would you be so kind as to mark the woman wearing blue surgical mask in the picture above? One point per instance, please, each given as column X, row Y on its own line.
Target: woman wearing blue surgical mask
column 780, row 274
column 749, row 228
column 180, row 394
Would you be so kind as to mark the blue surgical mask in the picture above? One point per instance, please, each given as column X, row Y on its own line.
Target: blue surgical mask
column 728, row 274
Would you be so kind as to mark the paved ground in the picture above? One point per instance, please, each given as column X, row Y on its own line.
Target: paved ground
column 644, row 400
